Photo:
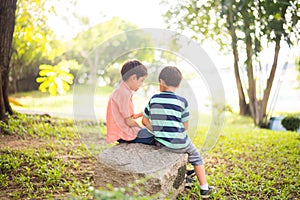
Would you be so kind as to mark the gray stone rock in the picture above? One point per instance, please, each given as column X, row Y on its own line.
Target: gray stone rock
column 160, row 172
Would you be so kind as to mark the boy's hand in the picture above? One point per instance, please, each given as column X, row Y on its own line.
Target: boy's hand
column 131, row 122
column 135, row 116
column 146, row 122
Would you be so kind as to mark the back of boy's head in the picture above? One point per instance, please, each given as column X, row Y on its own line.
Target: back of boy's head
column 171, row 75
column 133, row 67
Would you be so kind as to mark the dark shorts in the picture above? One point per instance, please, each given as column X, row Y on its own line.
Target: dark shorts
column 144, row 136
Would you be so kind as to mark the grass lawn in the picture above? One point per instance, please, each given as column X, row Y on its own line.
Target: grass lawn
column 252, row 163
column 51, row 158
column 61, row 105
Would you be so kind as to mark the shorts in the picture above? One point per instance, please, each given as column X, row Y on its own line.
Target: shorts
column 194, row 156
column 144, row 136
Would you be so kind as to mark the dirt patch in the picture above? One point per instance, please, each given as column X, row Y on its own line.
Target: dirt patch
column 18, row 143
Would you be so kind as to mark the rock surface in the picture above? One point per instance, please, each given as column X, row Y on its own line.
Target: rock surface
column 160, row 172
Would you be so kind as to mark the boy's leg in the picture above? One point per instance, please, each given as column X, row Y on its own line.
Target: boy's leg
column 196, row 160
column 123, row 141
column 144, row 137
column 200, row 173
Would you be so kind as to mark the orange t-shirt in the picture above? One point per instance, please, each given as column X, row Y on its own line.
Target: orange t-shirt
column 120, row 107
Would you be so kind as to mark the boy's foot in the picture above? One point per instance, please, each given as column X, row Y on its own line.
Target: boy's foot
column 206, row 193
column 189, row 182
column 190, row 173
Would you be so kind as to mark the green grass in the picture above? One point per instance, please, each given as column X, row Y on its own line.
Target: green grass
column 51, row 158
column 255, row 164
column 36, row 101
column 42, row 158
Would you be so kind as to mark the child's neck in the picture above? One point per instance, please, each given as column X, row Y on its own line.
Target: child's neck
column 129, row 84
column 164, row 88
column 168, row 91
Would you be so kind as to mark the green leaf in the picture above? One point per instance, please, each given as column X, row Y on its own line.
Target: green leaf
column 56, row 79
column 40, row 79
column 53, row 89
column 47, row 72
column 45, row 84
column 49, row 67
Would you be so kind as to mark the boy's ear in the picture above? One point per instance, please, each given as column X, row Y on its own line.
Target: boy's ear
column 162, row 82
column 133, row 77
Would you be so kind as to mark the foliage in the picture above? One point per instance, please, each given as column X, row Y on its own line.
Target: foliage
column 209, row 20
column 34, row 42
column 117, row 193
column 248, row 27
column 297, row 62
column 96, row 49
column 57, row 79
column 291, row 123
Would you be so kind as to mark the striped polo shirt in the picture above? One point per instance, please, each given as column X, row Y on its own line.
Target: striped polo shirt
column 167, row 112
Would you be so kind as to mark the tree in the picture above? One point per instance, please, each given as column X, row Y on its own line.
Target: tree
column 7, row 24
column 250, row 25
column 96, row 45
column 297, row 62
column 33, row 43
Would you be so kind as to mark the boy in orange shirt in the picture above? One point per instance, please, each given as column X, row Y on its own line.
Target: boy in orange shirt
column 120, row 117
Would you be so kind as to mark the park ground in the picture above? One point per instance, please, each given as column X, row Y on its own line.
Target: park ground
column 51, row 157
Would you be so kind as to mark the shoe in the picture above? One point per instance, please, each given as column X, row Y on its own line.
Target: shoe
column 206, row 193
column 189, row 182
column 190, row 173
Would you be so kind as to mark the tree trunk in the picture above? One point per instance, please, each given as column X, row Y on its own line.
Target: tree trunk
column 13, row 86
column 7, row 22
column 262, row 115
column 5, row 94
column 92, row 62
column 251, row 81
column 244, row 107
column 267, row 91
column 253, row 103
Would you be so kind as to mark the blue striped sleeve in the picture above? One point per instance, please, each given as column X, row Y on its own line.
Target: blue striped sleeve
column 185, row 115
column 146, row 112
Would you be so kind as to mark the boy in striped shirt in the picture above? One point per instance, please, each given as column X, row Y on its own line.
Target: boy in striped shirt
column 167, row 116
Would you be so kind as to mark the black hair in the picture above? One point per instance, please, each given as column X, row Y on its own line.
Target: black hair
column 132, row 67
column 171, row 75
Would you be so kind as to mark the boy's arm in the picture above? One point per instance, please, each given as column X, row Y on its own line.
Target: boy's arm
column 135, row 116
column 146, row 122
column 131, row 122
column 186, row 125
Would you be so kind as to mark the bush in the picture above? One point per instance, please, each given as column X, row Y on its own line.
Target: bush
column 291, row 123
